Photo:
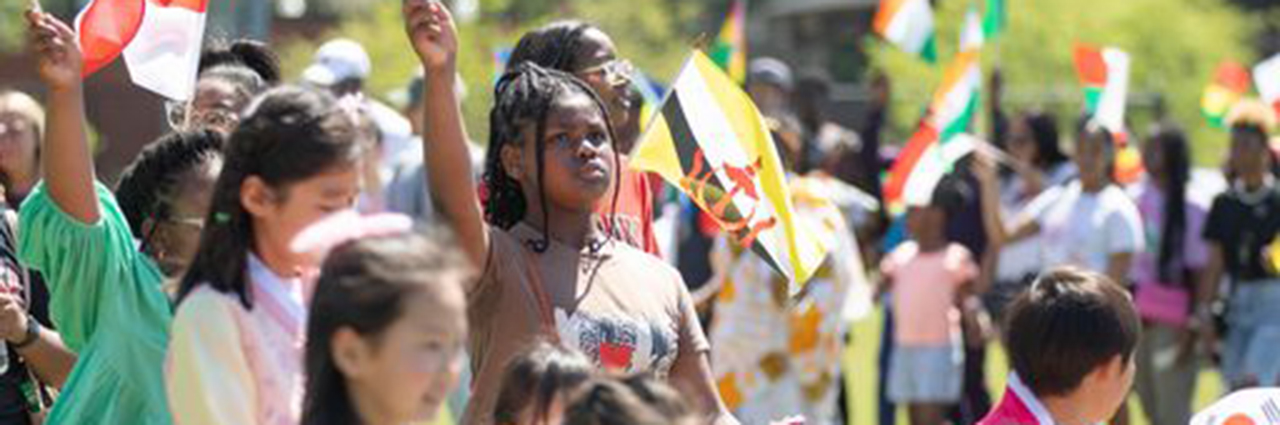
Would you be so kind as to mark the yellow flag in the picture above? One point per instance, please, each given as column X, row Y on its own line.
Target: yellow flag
column 711, row 142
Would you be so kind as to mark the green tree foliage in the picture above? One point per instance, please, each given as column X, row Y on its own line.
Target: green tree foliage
column 1175, row 45
column 654, row 34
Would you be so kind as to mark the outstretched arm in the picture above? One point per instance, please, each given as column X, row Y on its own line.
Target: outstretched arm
column 67, row 162
column 434, row 37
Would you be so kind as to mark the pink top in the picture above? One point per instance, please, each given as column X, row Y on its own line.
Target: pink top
column 1166, row 302
column 1018, row 407
column 231, row 365
column 924, row 292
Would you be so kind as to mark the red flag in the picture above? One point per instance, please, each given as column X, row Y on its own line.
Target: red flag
column 105, row 27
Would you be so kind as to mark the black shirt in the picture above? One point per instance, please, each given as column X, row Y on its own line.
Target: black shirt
column 13, row 403
column 1243, row 224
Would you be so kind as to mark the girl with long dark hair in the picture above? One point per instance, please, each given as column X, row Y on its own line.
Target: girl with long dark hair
column 236, row 351
column 1165, row 275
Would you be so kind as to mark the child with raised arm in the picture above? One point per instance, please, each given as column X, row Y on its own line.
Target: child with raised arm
column 546, row 269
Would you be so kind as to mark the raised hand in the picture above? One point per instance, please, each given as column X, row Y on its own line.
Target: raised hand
column 57, row 50
column 432, row 33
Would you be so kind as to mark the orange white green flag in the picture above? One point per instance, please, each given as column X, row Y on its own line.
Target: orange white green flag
column 908, row 24
column 1104, row 73
column 1230, row 84
column 711, row 142
column 730, row 48
column 938, row 143
column 1267, row 76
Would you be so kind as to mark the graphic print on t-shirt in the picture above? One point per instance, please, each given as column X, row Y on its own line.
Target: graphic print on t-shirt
column 618, row 343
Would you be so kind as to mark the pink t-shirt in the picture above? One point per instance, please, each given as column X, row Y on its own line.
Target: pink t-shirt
column 924, row 292
column 1166, row 302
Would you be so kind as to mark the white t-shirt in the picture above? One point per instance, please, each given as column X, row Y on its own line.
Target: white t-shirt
column 1085, row 229
column 1023, row 257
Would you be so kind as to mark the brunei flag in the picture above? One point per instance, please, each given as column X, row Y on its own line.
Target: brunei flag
column 1230, row 83
column 730, row 49
column 909, row 25
column 711, row 142
column 937, row 144
column 1267, row 76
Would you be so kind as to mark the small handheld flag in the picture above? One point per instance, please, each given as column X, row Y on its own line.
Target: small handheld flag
column 160, row 41
column 1104, row 73
column 930, row 152
column 711, row 142
column 908, row 24
column 730, row 48
column 1230, row 83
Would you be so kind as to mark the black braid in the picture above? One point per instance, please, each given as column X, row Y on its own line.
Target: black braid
column 554, row 46
column 524, row 96
column 146, row 189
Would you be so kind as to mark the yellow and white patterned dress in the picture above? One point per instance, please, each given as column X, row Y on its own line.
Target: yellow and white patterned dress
column 776, row 356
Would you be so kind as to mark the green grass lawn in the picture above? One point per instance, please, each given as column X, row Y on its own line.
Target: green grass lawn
column 860, row 367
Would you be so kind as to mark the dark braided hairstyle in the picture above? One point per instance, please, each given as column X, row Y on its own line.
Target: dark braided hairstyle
column 524, row 96
column 554, row 46
column 289, row 135
column 147, row 188
column 1177, row 172
column 253, row 55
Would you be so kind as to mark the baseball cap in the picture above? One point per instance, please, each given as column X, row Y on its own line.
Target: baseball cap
column 336, row 61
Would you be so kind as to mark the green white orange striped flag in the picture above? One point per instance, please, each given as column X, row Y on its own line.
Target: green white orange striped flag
column 1230, row 84
column 711, row 142
column 935, row 146
column 909, row 25
column 1267, row 76
column 730, row 49
column 1104, row 73
column 972, row 36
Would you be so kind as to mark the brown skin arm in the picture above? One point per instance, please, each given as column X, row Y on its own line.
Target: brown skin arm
column 432, row 33
column 992, row 217
column 691, row 375
column 1207, row 292
column 67, row 162
column 1118, row 265
column 49, row 357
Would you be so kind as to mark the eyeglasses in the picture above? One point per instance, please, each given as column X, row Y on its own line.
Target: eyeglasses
column 617, row 71
column 183, row 115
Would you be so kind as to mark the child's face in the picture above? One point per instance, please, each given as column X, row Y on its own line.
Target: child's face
column 596, row 52
column 1249, row 155
column 1093, row 157
column 925, row 223
column 279, row 215
column 578, row 155
column 408, row 371
column 177, row 236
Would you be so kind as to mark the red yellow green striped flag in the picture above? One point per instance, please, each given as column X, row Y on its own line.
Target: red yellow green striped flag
column 936, row 145
column 909, row 25
column 730, row 48
column 1230, row 84
column 711, row 142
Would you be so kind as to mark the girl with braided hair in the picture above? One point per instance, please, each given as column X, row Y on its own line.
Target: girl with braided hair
column 106, row 296
column 547, row 271
column 586, row 52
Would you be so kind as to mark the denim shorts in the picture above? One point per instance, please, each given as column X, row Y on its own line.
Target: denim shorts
column 1252, row 347
column 926, row 374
